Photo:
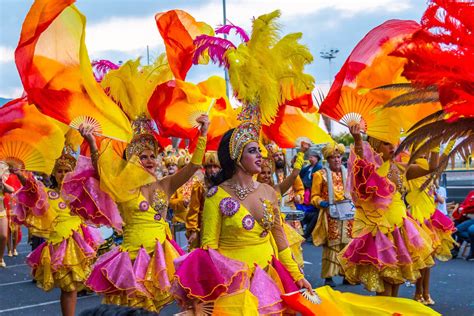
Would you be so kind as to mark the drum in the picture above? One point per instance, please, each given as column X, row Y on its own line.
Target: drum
column 293, row 218
column 107, row 235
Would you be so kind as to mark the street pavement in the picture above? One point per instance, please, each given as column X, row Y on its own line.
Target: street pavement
column 451, row 287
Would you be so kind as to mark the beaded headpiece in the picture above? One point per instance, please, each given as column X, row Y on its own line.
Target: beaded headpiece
column 143, row 138
column 210, row 158
column 242, row 135
column 170, row 160
column 67, row 159
column 183, row 158
column 332, row 149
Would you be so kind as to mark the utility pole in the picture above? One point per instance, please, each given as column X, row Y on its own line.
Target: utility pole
column 226, row 73
column 329, row 55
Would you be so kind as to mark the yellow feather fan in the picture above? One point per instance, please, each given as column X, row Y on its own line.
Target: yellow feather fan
column 132, row 85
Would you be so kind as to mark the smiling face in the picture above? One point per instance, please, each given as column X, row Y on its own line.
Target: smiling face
column 251, row 159
column 335, row 162
column 265, row 176
column 172, row 168
column 148, row 160
column 387, row 150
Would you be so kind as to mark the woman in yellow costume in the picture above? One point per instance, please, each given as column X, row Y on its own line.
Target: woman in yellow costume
column 266, row 176
column 138, row 272
column 65, row 258
column 437, row 225
column 388, row 247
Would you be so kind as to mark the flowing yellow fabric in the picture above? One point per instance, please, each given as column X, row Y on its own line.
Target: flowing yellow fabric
column 119, row 178
column 335, row 303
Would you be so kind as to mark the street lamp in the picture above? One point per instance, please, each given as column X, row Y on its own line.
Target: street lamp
column 329, row 55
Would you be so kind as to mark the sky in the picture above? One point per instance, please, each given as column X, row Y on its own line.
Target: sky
column 119, row 30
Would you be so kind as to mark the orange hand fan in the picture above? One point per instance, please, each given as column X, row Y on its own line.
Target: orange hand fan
column 56, row 71
column 304, row 302
column 348, row 101
column 33, row 142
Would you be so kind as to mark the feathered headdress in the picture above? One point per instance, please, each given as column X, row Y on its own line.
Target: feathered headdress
column 265, row 70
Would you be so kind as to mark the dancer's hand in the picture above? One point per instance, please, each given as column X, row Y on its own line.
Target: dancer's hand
column 87, row 132
column 303, row 283
column 203, row 120
column 304, row 146
column 355, row 130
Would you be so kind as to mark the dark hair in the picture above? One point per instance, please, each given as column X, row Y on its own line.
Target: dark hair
column 227, row 164
column 54, row 182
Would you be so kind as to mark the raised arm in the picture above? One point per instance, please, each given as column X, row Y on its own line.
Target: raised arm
column 87, row 131
column 172, row 183
column 290, row 180
column 358, row 147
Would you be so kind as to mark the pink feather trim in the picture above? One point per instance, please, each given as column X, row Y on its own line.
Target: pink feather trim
column 216, row 47
column 101, row 68
column 226, row 29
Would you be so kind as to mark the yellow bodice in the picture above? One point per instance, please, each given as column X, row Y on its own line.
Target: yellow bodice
column 370, row 219
column 64, row 222
column 231, row 229
column 422, row 204
column 143, row 225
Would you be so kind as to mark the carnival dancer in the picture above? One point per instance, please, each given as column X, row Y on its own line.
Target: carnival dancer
column 295, row 194
column 138, row 273
column 14, row 230
column 388, row 247
column 266, row 176
column 199, row 190
column 179, row 201
column 4, row 188
column 64, row 259
column 243, row 234
column 439, row 227
column 333, row 229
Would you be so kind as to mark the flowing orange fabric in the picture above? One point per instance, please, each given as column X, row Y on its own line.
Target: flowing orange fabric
column 179, row 29
column 28, row 138
column 369, row 66
column 291, row 123
column 56, row 72
column 176, row 104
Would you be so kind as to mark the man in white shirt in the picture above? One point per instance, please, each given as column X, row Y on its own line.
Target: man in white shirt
column 440, row 199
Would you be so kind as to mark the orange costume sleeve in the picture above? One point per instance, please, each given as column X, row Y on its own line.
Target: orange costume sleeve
column 196, row 205
column 317, row 189
column 177, row 205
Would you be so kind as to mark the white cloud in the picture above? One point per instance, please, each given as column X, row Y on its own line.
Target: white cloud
column 130, row 35
column 7, row 54
column 11, row 92
column 241, row 12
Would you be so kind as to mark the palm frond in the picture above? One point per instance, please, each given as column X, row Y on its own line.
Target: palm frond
column 430, row 118
column 414, row 97
column 466, row 146
column 395, row 87
column 441, row 131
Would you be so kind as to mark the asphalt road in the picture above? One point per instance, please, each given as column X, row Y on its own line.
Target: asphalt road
column 452, row 287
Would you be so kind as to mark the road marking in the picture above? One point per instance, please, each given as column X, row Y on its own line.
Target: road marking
column 16, row 265
column 13, row 283
column 39, row 304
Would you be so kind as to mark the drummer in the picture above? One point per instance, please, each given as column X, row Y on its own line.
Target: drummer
column 266, row 176
column 330, row 232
